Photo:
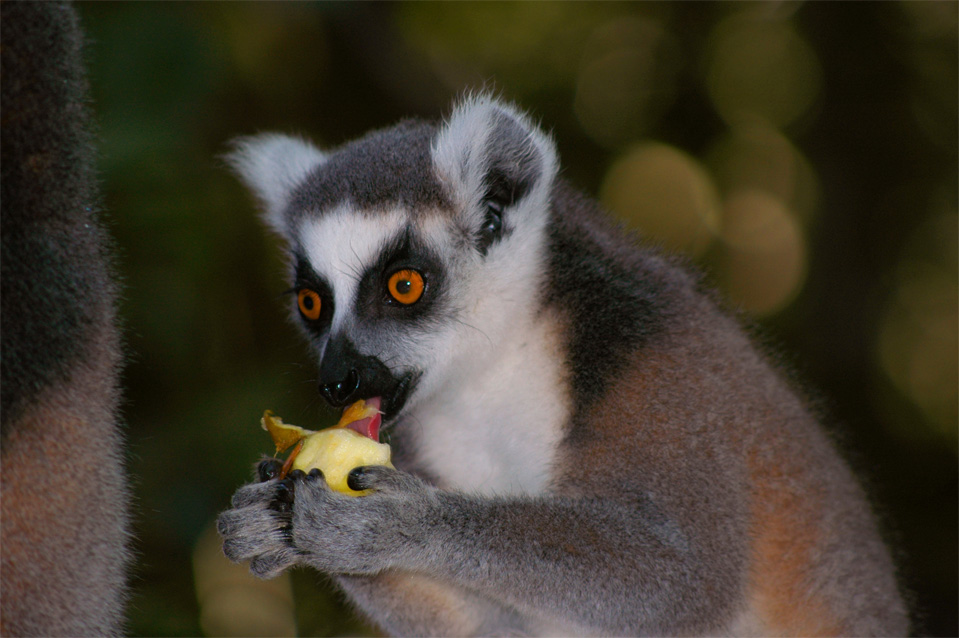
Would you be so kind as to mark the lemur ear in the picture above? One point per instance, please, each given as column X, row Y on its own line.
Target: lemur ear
column 489, row 151
column 272, row 165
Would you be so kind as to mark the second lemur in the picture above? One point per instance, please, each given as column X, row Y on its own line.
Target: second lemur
column 585, row 442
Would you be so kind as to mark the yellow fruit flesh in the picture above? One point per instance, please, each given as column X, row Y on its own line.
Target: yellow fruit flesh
column 336, row 452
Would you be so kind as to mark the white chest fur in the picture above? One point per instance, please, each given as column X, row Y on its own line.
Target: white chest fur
column 495, row 427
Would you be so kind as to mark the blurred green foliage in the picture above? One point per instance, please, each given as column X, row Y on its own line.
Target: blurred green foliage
column 809, row 152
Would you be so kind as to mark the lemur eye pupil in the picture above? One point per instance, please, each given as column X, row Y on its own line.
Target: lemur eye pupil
column 309, row 303
column 406, row 286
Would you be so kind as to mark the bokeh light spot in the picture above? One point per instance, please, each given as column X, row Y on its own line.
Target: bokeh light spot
column 526, row 46
column 764, row 252
column 919, row 334
column 666, row 195
column 235, row 603
column 761, row 67
column 755, row 156
column 625, row 81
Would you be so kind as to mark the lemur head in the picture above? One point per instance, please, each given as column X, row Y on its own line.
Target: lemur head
column 414, row 250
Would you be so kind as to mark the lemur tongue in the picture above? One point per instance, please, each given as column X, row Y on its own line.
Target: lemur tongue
column 363, row 417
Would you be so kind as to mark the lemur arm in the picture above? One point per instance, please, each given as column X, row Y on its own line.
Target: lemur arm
column 582, row 560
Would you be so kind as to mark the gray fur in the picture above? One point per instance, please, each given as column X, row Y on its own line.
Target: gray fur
column 65, row 527
column 49, row 182
column 389, row 166
column 591, row 446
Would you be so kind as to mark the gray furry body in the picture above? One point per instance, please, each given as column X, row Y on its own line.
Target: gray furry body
column 585, row 442
column 64, row 499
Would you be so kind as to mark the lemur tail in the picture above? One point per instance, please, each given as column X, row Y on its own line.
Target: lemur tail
column 64, row 493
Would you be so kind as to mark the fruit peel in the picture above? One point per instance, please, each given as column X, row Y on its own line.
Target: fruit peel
column 283, row 434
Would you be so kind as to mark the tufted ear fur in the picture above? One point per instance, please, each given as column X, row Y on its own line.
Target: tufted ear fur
column 272, row 165
column 489, row 151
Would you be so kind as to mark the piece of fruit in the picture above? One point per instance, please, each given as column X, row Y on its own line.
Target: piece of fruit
column 335, row 451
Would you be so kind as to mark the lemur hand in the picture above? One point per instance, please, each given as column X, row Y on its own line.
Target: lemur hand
column 342, row 534
column 258, row 528
column 276, row 524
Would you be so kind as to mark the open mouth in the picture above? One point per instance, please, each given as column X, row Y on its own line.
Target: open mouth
column 366, row 417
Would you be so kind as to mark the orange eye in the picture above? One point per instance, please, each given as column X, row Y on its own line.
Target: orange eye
column 309, row 303
column 406, row 286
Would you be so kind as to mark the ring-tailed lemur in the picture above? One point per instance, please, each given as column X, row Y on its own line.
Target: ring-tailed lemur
column 585, row 442
column 64, row 494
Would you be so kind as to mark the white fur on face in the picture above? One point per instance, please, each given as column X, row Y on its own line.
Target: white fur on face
column 341, row 245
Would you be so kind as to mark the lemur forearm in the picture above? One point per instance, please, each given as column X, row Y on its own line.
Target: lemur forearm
column 541, row 554
column 555, row 540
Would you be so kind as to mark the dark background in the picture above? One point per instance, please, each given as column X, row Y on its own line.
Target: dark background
column 804, row 155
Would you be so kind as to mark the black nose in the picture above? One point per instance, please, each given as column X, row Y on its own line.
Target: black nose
column 343, row 392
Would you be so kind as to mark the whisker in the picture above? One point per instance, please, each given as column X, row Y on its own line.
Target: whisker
column 468, row 325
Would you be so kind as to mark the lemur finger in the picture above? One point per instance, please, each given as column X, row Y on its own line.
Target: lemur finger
column 302, row 478
column 381, row 478
column 311, row 486
column 268, row 469
column 283, row 497
column 248, row 533
column 272, row 564
column 253, row 494
column 225, row 524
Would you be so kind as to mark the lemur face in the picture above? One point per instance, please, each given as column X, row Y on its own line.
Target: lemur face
column 412, row 250
column 377, row 295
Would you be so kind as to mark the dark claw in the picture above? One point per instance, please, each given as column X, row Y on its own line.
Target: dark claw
column 268, row 469
column 314, row 474
column 296, row 475
column 358, row 479
column 283, row 500
column 285, row 491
